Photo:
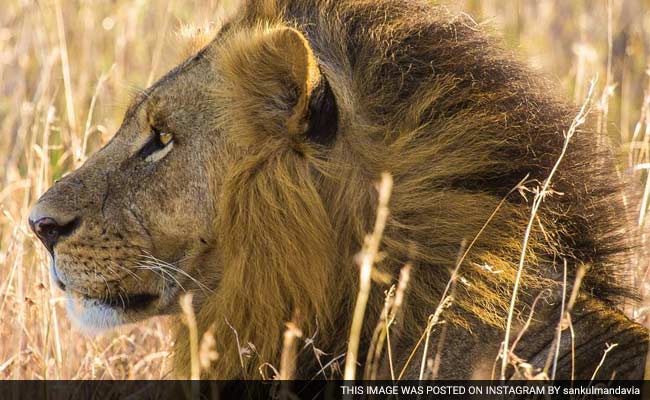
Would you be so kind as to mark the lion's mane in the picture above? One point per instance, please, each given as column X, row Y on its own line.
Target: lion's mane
column 426, row 96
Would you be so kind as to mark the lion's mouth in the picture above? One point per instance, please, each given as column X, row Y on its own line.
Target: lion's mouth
column 126, row 302
column 122, row 301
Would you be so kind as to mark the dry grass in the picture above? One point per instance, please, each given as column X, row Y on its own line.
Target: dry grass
column 68, row 68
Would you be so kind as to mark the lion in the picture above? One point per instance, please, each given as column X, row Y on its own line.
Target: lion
column 247, row 177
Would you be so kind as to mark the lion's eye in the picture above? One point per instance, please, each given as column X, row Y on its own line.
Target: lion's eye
column 158, row 146
column 165, row 138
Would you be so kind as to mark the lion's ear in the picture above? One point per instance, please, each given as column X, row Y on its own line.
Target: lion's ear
column 277, row 85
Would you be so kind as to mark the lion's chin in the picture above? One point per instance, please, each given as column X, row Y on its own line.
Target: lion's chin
column 94, row 316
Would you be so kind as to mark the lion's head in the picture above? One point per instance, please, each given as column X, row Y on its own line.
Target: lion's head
column 128, row 229
column 246, row 176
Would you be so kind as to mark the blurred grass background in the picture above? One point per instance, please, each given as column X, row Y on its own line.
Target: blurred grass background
column 69, row 67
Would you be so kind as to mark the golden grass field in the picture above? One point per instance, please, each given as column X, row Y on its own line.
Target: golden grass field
column 69, row 67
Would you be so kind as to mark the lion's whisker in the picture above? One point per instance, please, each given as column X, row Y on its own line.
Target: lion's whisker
column 111, row 270
column 127, row 270
column 166, row 265
column 201, row 285
column 163, row 268
column 161, row 272
column 119, row 294
column 108, row 288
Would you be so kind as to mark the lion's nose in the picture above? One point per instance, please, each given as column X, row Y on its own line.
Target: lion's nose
column 49, row 227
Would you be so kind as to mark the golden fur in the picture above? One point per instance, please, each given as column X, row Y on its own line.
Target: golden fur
column 268, row 209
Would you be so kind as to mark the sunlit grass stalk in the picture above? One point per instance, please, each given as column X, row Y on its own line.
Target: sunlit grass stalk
column 367, row 258
column 190, row 321
column 537, row 202
column 392, row 305
column 65, row 66
column 288, row 357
